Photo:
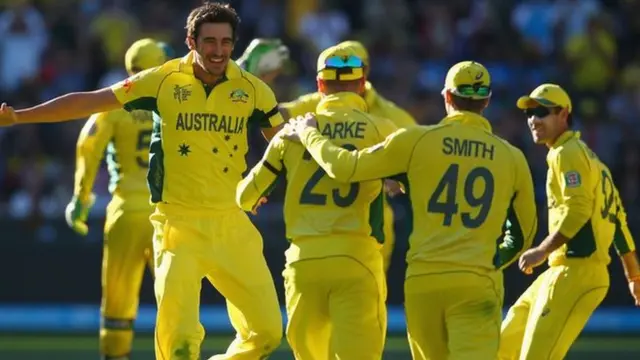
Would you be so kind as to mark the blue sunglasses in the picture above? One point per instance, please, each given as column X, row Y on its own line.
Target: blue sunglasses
column 340, row 62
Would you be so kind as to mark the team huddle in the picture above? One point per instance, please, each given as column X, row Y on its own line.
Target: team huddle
column 176, row 131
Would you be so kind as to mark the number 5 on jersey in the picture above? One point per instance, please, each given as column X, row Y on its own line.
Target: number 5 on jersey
column 445, row 201
column 144, row 139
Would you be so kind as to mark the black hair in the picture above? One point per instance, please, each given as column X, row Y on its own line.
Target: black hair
column 211, row 12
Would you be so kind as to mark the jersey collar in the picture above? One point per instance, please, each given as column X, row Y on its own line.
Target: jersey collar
column 566, row 136
column 233, row 70
column 467, row 118
column 370, row 94
column 342, row 100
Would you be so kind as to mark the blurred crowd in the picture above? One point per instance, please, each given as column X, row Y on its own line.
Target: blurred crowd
column 50, row 47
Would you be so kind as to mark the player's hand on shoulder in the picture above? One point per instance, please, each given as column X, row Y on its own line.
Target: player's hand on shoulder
column 296, row 126
column 530, row 259
column 76, row 214
column 8, row 115
column 634, row 288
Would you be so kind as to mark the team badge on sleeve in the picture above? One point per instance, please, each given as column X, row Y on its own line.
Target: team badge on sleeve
column 572, row 179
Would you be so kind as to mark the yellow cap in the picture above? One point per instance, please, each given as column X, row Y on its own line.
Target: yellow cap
column 345, row 71
column 470, row 76
column 144, row 54
column 359, row 49
column 548, row 95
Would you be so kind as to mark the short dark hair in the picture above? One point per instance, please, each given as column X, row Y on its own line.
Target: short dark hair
column 211, row 12
column 558, row 109
column 467, row 104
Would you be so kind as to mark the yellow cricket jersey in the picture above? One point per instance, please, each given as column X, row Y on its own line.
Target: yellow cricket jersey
column 376, row 105
column 471, row 192
column 125, row 137
column 199, row 139
column 316, row 205
column 584, row 204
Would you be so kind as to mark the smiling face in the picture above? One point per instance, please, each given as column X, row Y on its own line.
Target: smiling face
column 546, row 124
column 213, row 47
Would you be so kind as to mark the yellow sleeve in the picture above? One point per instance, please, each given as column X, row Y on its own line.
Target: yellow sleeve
column 385, row 127
column 302, row 105
column 266, row 112
column 262, row 178
column 385, row 159
column 140, row 91
column 572, row 173
column 522, row 218
column 400, row 117
column 622, row 239
column 93, row 139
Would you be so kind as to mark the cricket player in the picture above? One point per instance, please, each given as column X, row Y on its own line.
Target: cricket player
column 203, row 104
column 127, row 233
column 473, row 212
column 376, row 105
column 334, row 276
column 585, row 216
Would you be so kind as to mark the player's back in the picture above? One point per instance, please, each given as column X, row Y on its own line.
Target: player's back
column 315, row 204
column 462, row 181
column 589, row 189
column 128, row 157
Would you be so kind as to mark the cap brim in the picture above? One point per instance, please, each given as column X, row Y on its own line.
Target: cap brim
column 526, row 102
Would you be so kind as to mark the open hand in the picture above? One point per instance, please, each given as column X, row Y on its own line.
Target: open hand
column 8, row 116
column 296, row 126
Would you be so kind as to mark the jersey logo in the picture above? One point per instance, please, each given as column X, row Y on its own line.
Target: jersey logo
column 239, row 95
column 572, row 179
column 181, row 93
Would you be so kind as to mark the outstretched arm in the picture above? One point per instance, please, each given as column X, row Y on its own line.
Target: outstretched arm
column 69, row 107
column 385, row 159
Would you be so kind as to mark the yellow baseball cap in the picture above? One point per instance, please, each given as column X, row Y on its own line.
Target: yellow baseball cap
column 548, row 95
column 468, row 79
column 144, row 54
column 359, row 49
column 340, row 62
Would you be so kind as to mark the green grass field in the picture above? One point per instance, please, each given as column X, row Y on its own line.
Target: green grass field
column 42, row 347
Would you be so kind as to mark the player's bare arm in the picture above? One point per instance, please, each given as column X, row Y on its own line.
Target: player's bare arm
column 67, row 107
column 535, row 257
column 632, row 272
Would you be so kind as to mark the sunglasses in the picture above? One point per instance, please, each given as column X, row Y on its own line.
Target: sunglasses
column 340, row 62
column 539, row 111
column 474, row 90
